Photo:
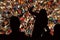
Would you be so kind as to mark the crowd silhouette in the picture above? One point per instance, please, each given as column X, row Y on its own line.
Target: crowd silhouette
column 15, row 35
column 57, row 32
column 39, row 32
column 40, row 23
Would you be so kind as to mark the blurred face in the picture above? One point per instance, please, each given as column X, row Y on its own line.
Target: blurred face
column 15, row 14
column 26, row 8
column 6, row 22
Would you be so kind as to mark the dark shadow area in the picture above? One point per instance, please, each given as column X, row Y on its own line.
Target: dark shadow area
column 57, row 32
column 16, row 34
column 40, row 23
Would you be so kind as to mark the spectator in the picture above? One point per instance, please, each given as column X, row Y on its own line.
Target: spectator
column 14, row 24
column 40, row 23
column 57, row 32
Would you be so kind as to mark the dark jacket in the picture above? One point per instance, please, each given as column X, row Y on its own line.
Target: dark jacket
column 16, row 34
column 40, row 22
column 57, row 32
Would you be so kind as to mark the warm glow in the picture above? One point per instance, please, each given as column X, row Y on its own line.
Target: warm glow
column 21, row 1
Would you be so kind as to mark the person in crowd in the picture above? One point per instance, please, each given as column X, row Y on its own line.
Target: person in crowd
column 40, row 23
column 57, row 32
column 16, row 34
column 47, row 35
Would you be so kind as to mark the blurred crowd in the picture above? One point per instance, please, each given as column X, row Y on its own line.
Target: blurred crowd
column 20, row 9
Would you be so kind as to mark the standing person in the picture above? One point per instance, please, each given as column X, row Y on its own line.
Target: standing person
column 16, row 34
column 57, row 32
column 40, row 23
column 47, row 35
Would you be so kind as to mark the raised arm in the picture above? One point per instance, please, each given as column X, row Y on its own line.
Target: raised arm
column 30, row 11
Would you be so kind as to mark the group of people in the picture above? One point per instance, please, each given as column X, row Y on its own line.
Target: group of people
column 40, row 31
column 23, row 17
column 21, row 10
column 40, row 24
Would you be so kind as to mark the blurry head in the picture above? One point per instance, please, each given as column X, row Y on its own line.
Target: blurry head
column 42, row 10
column 6, row 22
column 14, row 23
column 15, row 13
column 57, row 28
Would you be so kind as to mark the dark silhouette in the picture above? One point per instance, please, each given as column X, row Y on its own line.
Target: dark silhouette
column 3, row 37
column 47, row 35
column 57, row 32
column 15, row 35
column 40, row 23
